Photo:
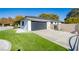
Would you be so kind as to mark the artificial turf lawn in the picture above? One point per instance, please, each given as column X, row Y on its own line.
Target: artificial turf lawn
column 29, row 42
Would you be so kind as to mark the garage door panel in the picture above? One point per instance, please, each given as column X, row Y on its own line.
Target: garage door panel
column 38, row 25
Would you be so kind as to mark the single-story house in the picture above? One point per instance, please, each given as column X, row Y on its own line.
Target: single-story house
column 31, row 23
column 6, row 22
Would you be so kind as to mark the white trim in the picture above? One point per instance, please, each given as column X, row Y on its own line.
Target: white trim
column 48, row 25
column 29, row 25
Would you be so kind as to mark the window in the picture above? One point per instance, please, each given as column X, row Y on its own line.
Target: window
column 22, row 23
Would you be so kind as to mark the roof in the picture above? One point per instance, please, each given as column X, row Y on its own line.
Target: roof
column 33, row 18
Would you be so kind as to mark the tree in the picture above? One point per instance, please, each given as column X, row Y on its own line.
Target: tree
column 17, row 20
column 49, row 16
column 72, row 16
column 7, row 21
column 10, row 20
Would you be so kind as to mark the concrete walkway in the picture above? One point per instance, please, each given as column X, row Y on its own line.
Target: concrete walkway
column 58, row 37
column 6, row 28
column 5, row 45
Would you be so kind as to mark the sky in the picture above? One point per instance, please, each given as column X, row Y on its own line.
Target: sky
column 12, row 12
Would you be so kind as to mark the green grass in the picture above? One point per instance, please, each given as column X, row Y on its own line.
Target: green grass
column 29, row 42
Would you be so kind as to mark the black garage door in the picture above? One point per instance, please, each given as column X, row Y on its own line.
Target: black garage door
column 38, row 25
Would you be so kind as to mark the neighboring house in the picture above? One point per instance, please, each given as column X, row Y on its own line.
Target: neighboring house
column 6, row 22
column 31, row 23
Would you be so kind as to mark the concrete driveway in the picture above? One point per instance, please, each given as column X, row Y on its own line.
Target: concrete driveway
column 59, row 37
